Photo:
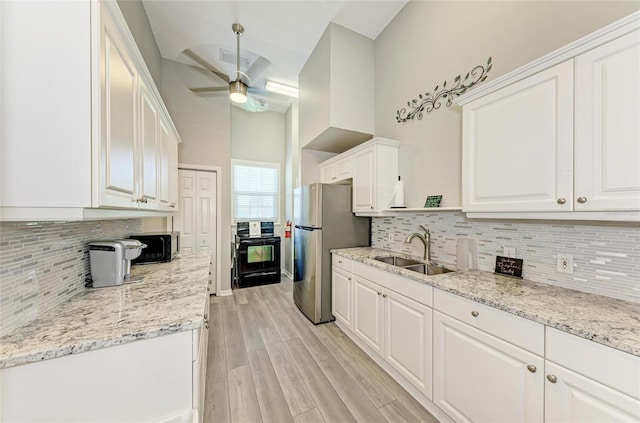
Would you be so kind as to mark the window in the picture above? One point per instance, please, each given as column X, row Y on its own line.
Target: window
column 256, row 193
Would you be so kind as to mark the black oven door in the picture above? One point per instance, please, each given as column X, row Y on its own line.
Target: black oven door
column 258, row 255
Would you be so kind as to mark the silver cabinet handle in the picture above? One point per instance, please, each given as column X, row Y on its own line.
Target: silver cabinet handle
column 208, row 289
column 173, row 206
column 532, row 368
column 552, row 378
column 379, row 293
column 206, row 325
column 561, row 200
column 581, row 200
column 348, row 279
column 206, row 316
column 339, row 261
column 475, row 313
column 384, row 295
column 371, row 207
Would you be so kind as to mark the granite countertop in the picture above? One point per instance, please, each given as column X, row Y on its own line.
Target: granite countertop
column 170, row 299
column 608, row 321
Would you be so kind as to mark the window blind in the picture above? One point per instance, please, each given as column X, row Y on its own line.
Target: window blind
column 255, row 191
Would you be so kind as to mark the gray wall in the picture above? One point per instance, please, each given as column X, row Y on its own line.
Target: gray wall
column 204, row 124
column 429, row 42
column 138, row 23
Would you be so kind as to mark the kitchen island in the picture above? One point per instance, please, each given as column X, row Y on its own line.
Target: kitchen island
column 142, row 344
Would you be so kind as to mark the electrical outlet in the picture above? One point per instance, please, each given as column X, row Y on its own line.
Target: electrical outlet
column 565, row 263
column 509, row 252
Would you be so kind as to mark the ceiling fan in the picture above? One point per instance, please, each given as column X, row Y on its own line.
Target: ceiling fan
column 239, row 89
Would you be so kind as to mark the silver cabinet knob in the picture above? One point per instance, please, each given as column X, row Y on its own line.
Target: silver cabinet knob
column 379, row 293
column 348, row 279
column 532, row 368
column 208, row 289
column 207, row 326
column 552, row 378
column 339, row 261
column 371, row 207
column 475, row 313
column 384, row 295
column 581, row 200
column 561, row 200
column 173, row 206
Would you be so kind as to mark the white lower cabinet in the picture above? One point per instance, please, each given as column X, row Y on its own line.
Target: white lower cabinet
column 395, row 327
column 481, row 378
column 341, row 296
column 571, row 397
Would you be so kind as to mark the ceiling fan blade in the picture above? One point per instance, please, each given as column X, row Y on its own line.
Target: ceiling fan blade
column 202, row 90
column 257, row 68
column 208, row 66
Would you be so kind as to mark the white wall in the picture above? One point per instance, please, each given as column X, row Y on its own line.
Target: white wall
column 204, row 124
column 429, row 42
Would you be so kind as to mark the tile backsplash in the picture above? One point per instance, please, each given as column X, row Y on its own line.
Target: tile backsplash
column 606, row 255
column 44, row 264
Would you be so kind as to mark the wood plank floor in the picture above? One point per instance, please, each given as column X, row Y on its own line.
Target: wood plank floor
column 268, row 363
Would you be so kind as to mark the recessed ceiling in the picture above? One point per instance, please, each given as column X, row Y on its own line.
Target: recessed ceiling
column 283, row 32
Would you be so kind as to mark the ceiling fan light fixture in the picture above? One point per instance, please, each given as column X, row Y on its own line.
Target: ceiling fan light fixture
column 238, row 91
column 278, row 88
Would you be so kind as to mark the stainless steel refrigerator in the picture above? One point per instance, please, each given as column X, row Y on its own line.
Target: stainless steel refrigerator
column 323, row 221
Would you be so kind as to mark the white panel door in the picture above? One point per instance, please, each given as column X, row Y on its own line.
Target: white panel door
column 118, row 137
column 573, row 398
column 149, row 150
column 341, row 297
column 196, row 217
column 185, row 220
column 368, row 309
column 518, row 146
column 408, row 340
column 480, row 378
column 607, row 128
column 364, row 181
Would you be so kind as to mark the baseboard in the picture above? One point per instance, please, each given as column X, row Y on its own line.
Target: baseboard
column 287, row 274
column 224, row 293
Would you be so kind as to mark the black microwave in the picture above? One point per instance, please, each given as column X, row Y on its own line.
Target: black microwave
column 161, row 247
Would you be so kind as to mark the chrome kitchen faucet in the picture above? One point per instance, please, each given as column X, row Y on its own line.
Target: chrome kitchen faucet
column 426, row 240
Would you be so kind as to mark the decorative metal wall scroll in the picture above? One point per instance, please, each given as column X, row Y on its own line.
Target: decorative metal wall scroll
column 429, row 102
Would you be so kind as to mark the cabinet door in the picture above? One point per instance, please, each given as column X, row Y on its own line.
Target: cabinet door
column 364, row 196
column 368, row 310
column 518, row 146
column 174, row 190
column 343, row 169
column 328, row 174
column 149, row 150
column 577, row 399
column 341, row 298
column 607, row 141
column 408, row 340
column 165, row 173
column 118, row 131
column 480, row 378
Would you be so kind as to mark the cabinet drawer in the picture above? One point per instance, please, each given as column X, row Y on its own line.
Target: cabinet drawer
column 343, row 263
column 614, row 368
column 516, row 330
column 415, row 290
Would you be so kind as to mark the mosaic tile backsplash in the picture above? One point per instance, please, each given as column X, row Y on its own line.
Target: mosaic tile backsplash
column 606, row 255
column 44, row 264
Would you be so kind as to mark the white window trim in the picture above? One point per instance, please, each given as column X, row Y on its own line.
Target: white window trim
column 273, row 165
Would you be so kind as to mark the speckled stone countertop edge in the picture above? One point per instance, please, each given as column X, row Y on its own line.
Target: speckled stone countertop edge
column 628, row 340
column 34, row 342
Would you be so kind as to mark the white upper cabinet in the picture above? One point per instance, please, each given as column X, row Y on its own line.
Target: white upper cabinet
column 518, row 145
column 560, row 137
column 85, row 141
column 607, row 138
column 336, row 104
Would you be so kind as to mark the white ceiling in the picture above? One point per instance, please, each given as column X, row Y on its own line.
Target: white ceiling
column 284, row 32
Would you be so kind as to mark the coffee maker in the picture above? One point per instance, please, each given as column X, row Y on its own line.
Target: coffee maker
column 107, row 263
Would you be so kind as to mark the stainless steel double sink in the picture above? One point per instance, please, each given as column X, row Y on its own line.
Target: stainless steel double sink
column 413, row 265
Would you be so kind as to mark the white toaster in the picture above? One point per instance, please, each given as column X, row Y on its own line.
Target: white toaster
column 107, row 263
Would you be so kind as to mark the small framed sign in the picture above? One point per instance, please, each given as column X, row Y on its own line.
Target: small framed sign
column 433, row 201
column 509, row 266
